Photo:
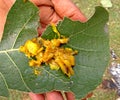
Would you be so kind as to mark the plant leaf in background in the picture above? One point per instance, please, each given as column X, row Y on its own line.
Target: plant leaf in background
column 106, row 3
column 90, row 39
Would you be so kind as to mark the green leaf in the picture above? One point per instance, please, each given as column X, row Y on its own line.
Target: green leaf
column 89, row 38
column 21, row 25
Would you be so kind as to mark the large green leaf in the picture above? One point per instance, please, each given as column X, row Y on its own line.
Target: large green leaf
column 22, row 22
column 90, row 39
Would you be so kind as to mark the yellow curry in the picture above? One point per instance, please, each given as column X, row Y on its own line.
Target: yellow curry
column 43, row 51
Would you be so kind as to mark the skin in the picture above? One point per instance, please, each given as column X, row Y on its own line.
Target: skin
column 51, row 11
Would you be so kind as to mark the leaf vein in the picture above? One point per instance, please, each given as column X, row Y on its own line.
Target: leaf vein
column 85, row 66
column 10, row 50
column 82, row 31
column 4, row 81
column 54, row 75
column 82, row 49
column 21, row 30
column 18, row 70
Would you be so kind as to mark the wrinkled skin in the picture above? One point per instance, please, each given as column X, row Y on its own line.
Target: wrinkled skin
column 50, row 11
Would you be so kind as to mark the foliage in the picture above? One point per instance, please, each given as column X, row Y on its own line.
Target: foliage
column 91, row 40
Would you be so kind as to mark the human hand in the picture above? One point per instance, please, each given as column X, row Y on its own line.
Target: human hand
column 55, row 95
column 50, row 11
column 55, row 10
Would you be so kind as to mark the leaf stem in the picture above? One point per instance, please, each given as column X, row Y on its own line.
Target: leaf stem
column 63, row 94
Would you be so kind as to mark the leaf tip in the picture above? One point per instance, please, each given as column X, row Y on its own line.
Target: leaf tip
column 101, row 11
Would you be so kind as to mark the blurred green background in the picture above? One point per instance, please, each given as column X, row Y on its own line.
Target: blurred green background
column 87, row 7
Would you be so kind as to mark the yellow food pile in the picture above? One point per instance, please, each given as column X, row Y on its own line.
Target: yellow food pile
column 41, row 51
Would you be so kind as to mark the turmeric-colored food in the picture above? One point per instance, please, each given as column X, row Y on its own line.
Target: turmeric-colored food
column 43, row 51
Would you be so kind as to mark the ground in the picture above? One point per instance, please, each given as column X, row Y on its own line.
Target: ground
column 87, row 7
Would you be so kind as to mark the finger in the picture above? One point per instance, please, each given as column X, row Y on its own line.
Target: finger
column 42, row 2
column 47, row 15
column 69, row 9
column 40, row 31
column 54, row 96
column 36, row 96
column 6, row 4
column 70, row 96
column 47, row 12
